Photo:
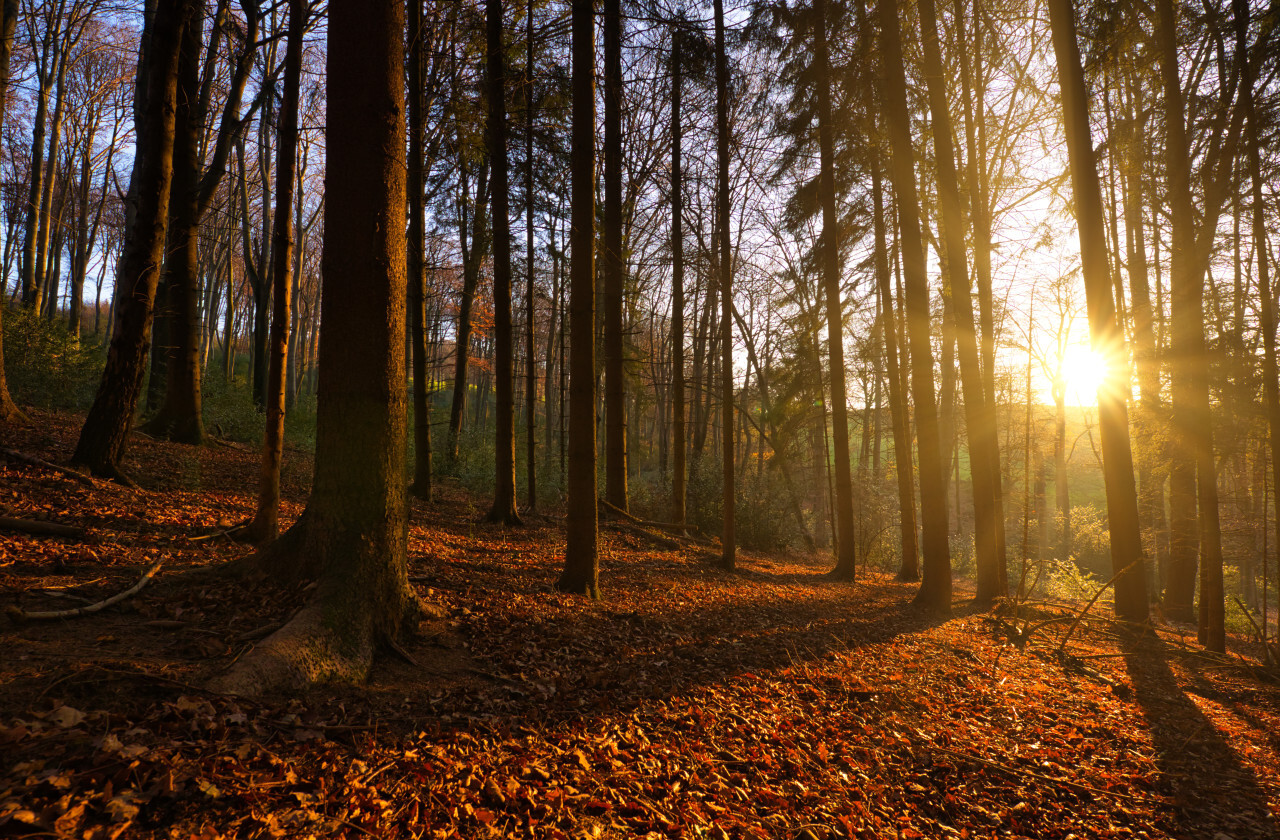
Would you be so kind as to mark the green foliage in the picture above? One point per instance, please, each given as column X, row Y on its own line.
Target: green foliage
column 761, row 518
column 44, row 364
column 229, row 412
column 1066, row 580
column 1090, row 539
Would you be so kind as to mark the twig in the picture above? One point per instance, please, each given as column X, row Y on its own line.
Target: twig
column 43, row 464
column 1262, row 636
column 20, row 615
column 1018, row 771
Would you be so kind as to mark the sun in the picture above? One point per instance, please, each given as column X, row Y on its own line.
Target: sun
column 1084, row 371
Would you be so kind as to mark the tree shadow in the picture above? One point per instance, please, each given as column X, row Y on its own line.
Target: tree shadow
column 1212, row 790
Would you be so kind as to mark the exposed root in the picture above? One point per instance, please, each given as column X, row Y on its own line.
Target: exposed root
column 306, row 651
column 43, row 464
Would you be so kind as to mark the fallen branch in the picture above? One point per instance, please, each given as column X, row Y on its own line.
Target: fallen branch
column 40, row 529
column 657, row 539
column 19, row 615
column 43, row 464
column 1262, row 636
column 686, row 531
column 1062, row 645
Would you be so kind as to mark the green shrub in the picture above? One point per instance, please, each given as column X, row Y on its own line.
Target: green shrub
column 46, row 366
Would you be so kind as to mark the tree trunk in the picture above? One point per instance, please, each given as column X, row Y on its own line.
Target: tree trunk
column 679, row 443
column 728, row 539
column 531, row 369
column 611, row 265
column 1104, row 330
column 984, row 461
column 266, row 522
column 9, row 412
column 581, row 560
column 353, row 533
column 846, row 551
column 504, row 486
column 106, row 429
column 421, row 486
column 935, row 588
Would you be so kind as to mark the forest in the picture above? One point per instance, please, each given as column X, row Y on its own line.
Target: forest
column 608, row 418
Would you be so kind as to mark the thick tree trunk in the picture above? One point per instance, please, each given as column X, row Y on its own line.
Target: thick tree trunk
column 504, row 485
column 266, row 522
column 581, row 560
column 176, row 363
column 935, row 588
column 352, row 536
column 531, row 368
column 846, row 555
column 106, row 429
column 1104, row 330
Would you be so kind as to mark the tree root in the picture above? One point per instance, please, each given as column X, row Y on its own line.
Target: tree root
column 40, row 529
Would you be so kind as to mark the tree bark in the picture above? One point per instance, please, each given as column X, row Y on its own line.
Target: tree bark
column 728, row 539
column 679, row 443
column 353, row 534
column 421, row 487
column 9, row 413
column 611, row 265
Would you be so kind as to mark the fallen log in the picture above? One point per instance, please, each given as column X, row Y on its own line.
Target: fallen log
column 32, row 460
column 39, row 528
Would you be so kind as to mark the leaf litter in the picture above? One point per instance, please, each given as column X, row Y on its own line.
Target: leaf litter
column 688, row 703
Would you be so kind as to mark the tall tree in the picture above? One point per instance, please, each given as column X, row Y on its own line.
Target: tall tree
column 266, row 521
column 935, row 585
column 531, row 369
column 728, row 538
column 680, row 444
column 984, row 463
column 504, row 486
column 106, row 429
column 581, row 555
column 352, row 536
column 846, row 557
column 421, row 486
column 9, row 413
column 180, row 415
column 1105, row 333
column 611, row 265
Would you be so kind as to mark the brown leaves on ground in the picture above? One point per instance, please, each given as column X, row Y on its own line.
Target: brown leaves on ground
column 688, row 703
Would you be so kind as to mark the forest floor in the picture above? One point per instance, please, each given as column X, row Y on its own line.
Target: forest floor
column 690, row 702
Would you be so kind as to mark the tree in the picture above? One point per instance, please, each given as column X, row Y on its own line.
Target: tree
column 352, row 536
column 266, row 521
column 846, row 556
column 1105, row 333
column 421, row 486
column 581, row 558
column 504, row 486
column 935, row 586
column 728, row 539
column 612, row 267
column 984, row 461
column 106, row 429
column 9, row 412
column 680, row 444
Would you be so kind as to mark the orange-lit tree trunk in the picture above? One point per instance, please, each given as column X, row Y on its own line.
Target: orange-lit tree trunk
column 935, row 587
column 679, row 443
column 106, row 429
column 1105, row 333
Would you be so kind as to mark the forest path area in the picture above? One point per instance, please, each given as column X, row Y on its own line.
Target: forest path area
column 689, row 702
